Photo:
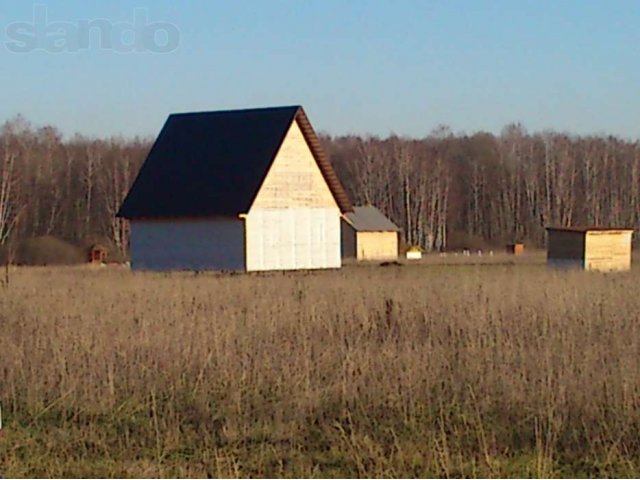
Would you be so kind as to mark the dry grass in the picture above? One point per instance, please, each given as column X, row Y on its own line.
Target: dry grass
column 426, row 370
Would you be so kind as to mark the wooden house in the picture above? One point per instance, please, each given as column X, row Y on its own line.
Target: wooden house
column 236, row 190
column 367, row 234
column 590, row 248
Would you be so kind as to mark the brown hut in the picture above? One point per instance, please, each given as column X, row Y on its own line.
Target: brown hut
column 515, row 248
column 97, row 254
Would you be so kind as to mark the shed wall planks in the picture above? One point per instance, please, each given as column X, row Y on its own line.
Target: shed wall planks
column 377, row 245
column 216, row 244
column 609, row 250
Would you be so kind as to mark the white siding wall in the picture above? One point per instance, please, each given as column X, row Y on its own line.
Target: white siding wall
column 293, row 238
column 187, row 245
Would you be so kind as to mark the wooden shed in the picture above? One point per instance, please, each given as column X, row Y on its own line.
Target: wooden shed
column 367, row 234
column 590, row 248
column 515, row 248
column 236, row 190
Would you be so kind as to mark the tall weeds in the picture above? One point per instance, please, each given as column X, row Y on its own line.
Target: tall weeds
column 403, row 371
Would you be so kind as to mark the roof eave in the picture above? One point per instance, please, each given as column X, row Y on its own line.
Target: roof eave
column 329, row 174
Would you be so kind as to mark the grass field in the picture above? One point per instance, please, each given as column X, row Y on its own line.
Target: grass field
column 442, row 368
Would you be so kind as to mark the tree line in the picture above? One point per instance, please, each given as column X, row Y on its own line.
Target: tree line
column 449, row 190
column 444, row 190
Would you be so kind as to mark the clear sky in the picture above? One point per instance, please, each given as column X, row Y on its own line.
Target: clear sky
column 357, row 66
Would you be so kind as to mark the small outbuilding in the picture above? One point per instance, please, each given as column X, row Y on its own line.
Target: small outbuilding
column 590, row 248
column 414, row 253
column 515, row 249
column 97, row 254
column 367, row 234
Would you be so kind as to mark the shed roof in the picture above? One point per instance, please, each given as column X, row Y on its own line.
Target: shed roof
column 589, row 229
column 213, row 163
column 370, row 219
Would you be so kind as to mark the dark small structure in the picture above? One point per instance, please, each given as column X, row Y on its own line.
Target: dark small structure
column 515, row 248
column 97, row 254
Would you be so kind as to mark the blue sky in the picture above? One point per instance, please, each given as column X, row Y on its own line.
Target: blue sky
column 356, row 66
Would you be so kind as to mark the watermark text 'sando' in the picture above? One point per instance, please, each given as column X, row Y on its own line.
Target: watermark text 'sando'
column 137, row 36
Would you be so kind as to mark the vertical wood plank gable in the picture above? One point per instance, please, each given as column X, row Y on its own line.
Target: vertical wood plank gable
column 294, row 179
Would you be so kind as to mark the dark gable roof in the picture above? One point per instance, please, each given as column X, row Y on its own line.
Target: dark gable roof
column 213, row 163
column 370, row 219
